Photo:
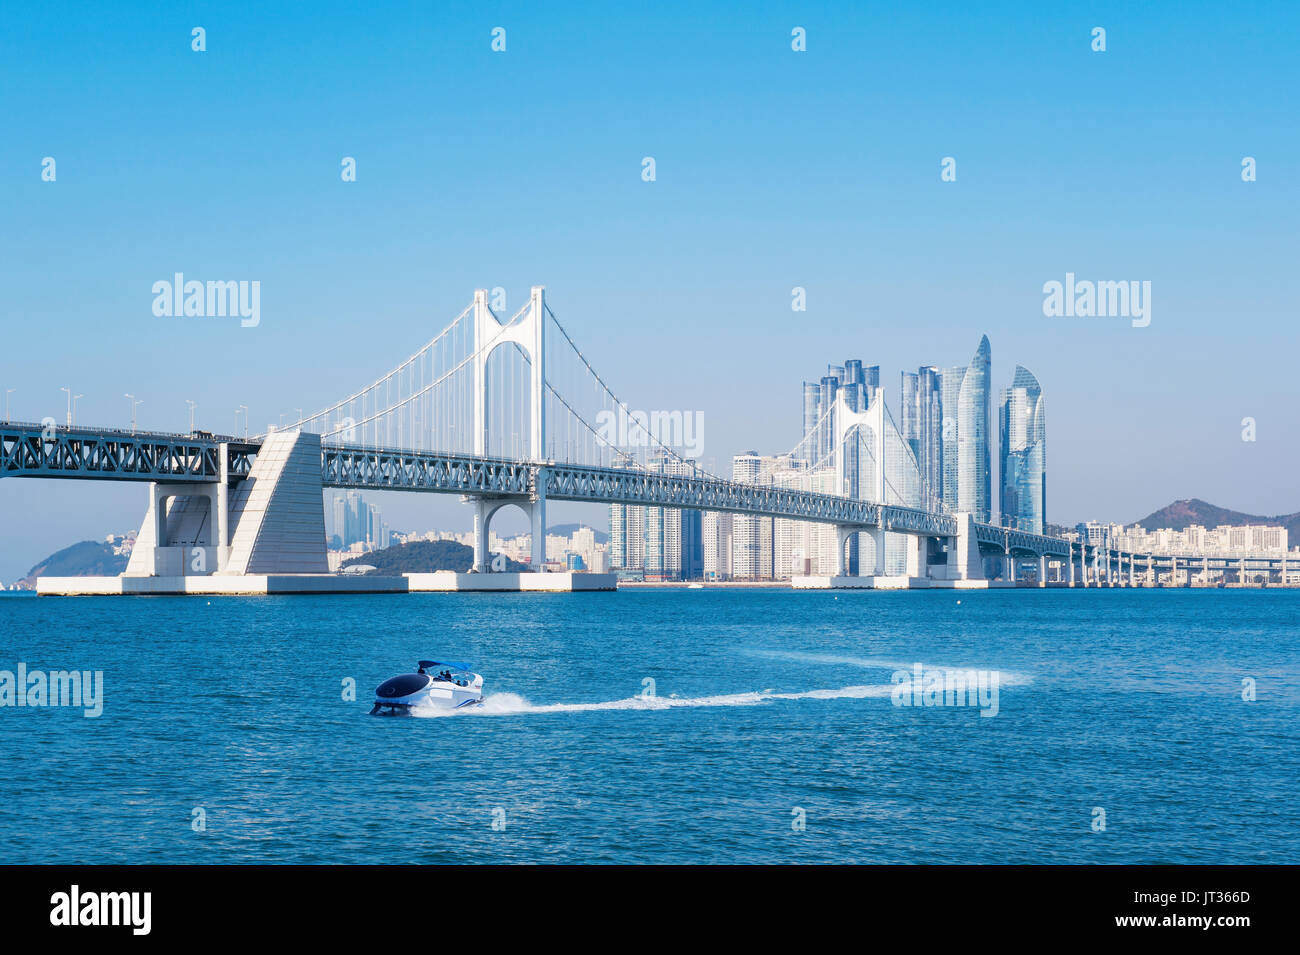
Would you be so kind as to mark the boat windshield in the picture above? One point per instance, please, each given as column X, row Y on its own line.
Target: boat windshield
column 446, row 675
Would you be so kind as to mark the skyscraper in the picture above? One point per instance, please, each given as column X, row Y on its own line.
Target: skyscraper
column 859, row 385
column 909, row 425
column 673, row 549
column 715, row 533
column 751, row 535
column 812, row 394
column 949, row 390
column 1023, row 454
column 921, row 427
column 974, row 467
column 626, row 534
column 929, row 453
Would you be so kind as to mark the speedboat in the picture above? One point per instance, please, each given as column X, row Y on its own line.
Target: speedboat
column 437, row 684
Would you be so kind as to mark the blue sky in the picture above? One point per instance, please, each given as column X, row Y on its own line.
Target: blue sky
column 775, row 169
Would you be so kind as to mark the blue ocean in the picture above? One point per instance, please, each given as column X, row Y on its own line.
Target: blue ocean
column 661, row 726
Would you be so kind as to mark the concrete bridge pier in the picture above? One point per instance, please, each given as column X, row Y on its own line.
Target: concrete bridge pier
column 178, row 536
column 485, row 508
column 842, row 535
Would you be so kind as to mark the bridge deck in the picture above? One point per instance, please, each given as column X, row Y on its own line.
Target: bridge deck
column 46, row 450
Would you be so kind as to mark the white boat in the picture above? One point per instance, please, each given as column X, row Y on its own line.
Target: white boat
column 436, row 684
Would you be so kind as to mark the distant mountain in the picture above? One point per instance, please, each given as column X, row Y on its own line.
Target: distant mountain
column 86, row 559
column 1180, row 514
column 421, row 557
column 566, row 530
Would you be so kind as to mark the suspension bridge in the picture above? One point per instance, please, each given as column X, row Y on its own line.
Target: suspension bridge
column 509, row 412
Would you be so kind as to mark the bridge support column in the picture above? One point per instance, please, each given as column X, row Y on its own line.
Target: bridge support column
column 538, row 520
column 1042, row 570
column 1069, row 563
column 842, row 535
column 878, row 538
column 221, row 524
column 916, row 551
column 964, row 560
column 482, row 517
column 157, row 509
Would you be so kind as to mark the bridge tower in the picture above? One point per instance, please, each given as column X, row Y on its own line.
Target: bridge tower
column 529, row 334
column 845, row 421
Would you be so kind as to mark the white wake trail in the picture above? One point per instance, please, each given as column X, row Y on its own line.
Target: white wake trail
column 1005, row 677
column 510, row 704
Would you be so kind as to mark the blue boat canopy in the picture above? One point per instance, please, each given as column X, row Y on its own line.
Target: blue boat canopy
column 426, row 664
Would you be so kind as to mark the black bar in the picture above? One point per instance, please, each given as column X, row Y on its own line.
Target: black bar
column 957, row 906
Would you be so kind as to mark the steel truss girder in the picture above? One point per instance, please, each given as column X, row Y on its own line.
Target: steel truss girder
column 627, row 486
column 1010, row 540
column 422, row 471
column 34, row 450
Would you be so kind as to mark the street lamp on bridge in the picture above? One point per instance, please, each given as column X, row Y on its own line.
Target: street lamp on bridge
column 72, row 405
column 134, row 403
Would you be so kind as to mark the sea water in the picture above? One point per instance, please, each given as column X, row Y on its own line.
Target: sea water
column 661, row 726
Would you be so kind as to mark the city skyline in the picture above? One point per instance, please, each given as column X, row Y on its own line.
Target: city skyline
column 748, row 204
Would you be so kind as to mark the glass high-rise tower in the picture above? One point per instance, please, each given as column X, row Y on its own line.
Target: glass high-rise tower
column 921, row 426
column 1023, row 454
column 949, row 390
column 974, row 465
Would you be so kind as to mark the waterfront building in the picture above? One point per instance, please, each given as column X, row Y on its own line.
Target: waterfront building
column 357, row 522
column 1023, row 455
column 751, row 535
column 664, row 543
column 715, row 533
column 974, row 466
column 1242, row 540
column 857, row 382
column 921, row 426
column 949, row 391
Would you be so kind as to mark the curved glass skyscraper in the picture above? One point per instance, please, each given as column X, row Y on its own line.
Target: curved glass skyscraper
column 974, row 466
column 1023, row 454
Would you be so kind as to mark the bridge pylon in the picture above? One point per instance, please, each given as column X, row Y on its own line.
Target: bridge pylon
column 528, row 332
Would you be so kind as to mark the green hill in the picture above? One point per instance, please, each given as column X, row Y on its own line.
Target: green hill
column 421, row 557
column 1180, row 514
column 86, row 559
